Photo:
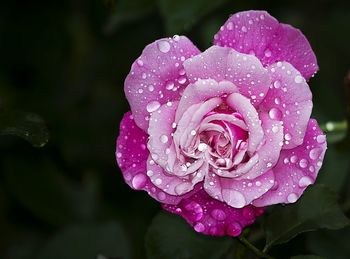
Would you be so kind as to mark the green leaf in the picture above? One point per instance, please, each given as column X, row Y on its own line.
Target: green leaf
column 316, row 209
column 89, row 242
column 306, row 257
column 169, row 236
column 128, row 11
column 330, row 244
column 47, row 194
column 181, row 15
column 28, row 126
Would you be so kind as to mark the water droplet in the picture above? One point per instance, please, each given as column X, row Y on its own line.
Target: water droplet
column 169, row 85
column 258, row 183
column 173, row 125
column 153, row 106
column 275, row 129
column 229, row 26
column 182, row 80
column 161, row 196
column 164, row 139
column 244, row 29
column 277, row 84
column 139, row 181
column 193, row 132
column 315, row 153
column 149, row 173
column 292, row 198
column 275, row 114
column 176, row 37
column 267, row 53
column 303, row 163
column 234, row 229
column 293, row 159
column 321, row 138
column 269, row 165
column 218, row 214
column 233, row 198
column 277, row 100
column 199, row 227
column 140, row 91
column 140, row 62
column 298, row 79
column 158, row 181
column 119, row 155
column 163, row 46
column 305, row 181
column 150, row 88
column 287, row 136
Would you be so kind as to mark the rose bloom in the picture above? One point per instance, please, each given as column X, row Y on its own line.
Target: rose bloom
column 215, row 136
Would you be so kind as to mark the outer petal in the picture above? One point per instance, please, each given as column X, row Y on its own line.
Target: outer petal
column 297, row 168
column 257, row 32
column 157, row 76
column 160, row 134
column 238, row 193
column 288, row 100
column 219, row 63
column 213, row 217
column 132, row 157
column 172, row 184
column 269, row 152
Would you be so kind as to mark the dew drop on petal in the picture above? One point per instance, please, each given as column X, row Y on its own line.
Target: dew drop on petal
column 292, row 198
column 267, row 53
column 163, row 46
column 277, row 84
column 218, row 214
column 305, row 181
column 321, row 138
column 139, row 181
column 275, row 114
column 164, row 139
column 152, row 106
column 303, row 163
column 298, row 79
column 199, row 227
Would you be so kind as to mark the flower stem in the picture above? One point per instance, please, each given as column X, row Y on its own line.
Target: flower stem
column 335, row 126
column 253, row 248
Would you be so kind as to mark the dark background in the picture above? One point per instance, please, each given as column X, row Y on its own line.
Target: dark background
column 66, row 62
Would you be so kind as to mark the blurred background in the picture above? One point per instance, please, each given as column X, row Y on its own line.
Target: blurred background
column 64, row 63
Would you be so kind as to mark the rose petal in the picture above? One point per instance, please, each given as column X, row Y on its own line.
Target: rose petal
column 258, row 33
column 238, row 193
column 171, row 184
column 244, row 71
column 269, row 152
column 213, row 217
column 157, row 76
column 243, row 106
column 132, row 157
column 160, row 134
column 297, row 168
column 288, row 100
column 201, row 91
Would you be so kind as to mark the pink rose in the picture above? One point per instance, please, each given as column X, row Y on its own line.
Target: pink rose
column 215, row 136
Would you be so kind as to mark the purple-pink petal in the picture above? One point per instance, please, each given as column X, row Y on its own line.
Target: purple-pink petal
column 290, row 101
column 132, row 157
column 244, row 71
column 260, row 34
column 297, row 168
column 213, row 217
column 157, row 76
column 238, row 193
